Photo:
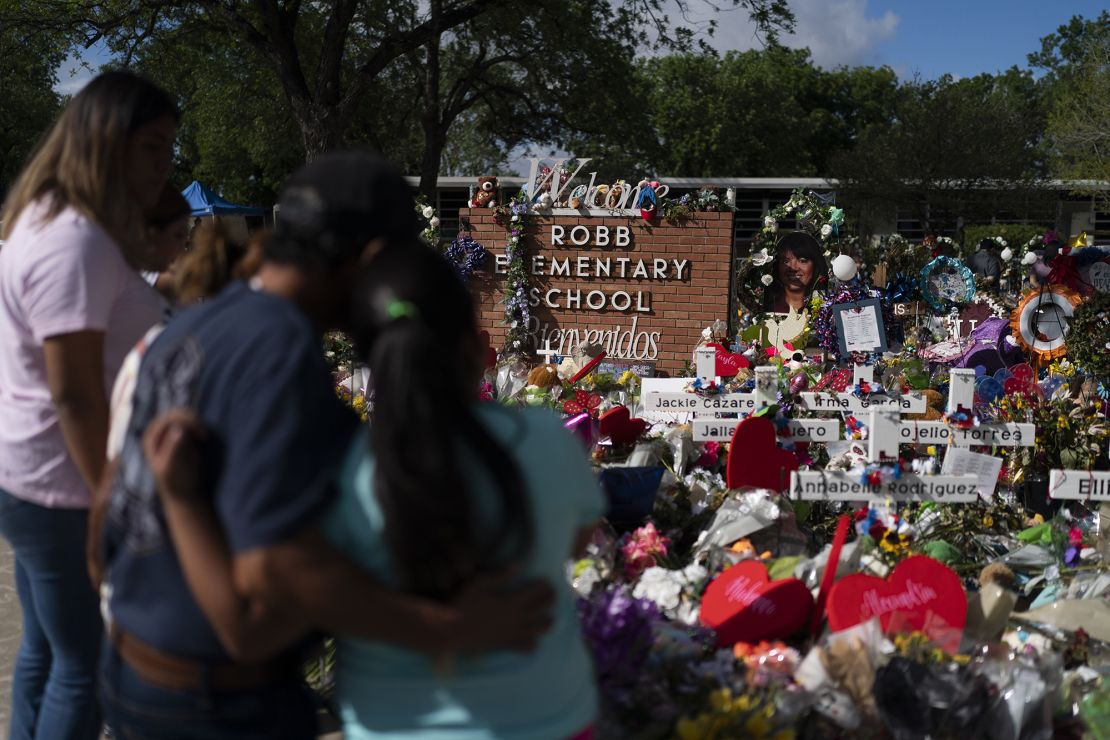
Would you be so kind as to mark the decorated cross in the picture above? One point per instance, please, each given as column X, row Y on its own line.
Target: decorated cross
column 547, row 353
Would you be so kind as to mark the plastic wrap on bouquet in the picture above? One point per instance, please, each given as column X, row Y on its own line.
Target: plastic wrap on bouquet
column 512, row 376
column 631, row 492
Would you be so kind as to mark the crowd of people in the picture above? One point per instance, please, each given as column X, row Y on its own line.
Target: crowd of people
column 190, row 506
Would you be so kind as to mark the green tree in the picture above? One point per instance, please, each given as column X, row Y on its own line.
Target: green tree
column 28, row 62
column 955, row 151
column 329, row 59
column 767, row 112
column 1076, row 62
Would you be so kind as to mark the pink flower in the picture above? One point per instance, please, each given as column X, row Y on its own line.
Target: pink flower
column 710, row 455
column 1075, row 536
column 641, row 549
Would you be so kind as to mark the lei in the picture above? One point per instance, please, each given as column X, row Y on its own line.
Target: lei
column 518, row 313
column 815, row 214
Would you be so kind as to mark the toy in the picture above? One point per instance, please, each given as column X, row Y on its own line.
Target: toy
column 544, row 376
column 486, row 194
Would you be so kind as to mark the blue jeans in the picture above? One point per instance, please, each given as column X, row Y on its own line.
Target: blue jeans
column 135, row 708
column 54, row 683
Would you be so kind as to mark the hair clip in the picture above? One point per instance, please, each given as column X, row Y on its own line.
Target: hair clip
column 402, row 309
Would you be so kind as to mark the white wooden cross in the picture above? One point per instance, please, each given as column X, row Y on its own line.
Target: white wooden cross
column 547, row 353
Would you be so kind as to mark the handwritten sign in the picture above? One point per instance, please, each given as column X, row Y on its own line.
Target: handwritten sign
column 1079, row 484
column 847, row 486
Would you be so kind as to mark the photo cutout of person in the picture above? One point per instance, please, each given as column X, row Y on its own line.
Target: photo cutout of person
column 799, row 267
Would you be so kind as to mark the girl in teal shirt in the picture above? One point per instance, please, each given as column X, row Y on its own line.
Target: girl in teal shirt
column 441, row 490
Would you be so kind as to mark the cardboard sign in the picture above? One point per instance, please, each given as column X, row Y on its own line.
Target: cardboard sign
column 744, row 605
column 1079, row 484
column 921, row 594
column 801, row 430
column 841, row 485
column 617, row 367
column 754, row 459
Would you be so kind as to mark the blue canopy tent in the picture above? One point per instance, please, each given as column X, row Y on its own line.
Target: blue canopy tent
column 206, row 203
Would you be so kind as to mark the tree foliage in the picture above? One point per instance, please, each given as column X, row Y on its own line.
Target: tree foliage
column 29, row 59
column 954, row 150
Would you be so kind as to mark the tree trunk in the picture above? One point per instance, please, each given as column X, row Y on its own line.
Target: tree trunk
column 434, row 134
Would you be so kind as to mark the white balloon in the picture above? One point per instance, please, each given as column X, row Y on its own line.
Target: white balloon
column 844, row 268
column 1029, row 258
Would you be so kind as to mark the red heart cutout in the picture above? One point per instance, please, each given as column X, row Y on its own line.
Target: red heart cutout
column 728, row 363
column 755, row 460
column 744, row 605
column 618, row 425
column 489, row 352
column 920, row 594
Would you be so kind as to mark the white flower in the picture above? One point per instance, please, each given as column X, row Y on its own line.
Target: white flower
column 770, row 223
column 767, row 280
column 428, row 211
column 761, row 257
column 1029, row 258
column 433, row 223
column 826, row 231
column 1007, row 254
column 662, row 586
column 586, row 580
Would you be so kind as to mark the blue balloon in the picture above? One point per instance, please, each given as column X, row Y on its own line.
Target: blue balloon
column 988, row 389
column 1002, row 374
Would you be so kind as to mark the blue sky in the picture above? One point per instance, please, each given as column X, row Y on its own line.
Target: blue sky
column 925, row 37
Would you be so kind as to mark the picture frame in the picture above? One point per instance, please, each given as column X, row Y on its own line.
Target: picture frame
column 848, row 335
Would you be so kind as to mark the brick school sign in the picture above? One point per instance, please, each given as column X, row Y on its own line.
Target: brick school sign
column 641, row 291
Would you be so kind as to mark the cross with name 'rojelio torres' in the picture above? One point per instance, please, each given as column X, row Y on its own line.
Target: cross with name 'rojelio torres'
column 886, row 430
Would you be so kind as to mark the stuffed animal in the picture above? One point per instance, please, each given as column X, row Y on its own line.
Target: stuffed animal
column 646, row 201
column 544, row 376
column 486, row 194
column 934, row 402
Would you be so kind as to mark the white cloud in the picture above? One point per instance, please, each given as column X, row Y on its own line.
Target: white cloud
column 837, row 32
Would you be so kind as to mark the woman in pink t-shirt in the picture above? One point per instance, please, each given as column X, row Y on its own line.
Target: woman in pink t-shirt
column 71, row 306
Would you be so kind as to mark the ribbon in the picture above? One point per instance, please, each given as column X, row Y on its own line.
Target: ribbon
column 1064, row 273
column 900, row 289
column 838, row 541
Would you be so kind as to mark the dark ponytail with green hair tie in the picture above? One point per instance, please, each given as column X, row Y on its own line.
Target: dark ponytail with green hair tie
column 416, row 326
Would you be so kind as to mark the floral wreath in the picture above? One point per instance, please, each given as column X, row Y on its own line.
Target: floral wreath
column 816, row 216
column 1087, row 338
column 466, row 255
column 944, row 300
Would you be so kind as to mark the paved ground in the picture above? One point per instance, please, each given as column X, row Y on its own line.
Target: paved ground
column 10, row 627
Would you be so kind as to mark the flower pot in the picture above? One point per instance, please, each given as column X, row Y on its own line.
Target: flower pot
column 631, row 493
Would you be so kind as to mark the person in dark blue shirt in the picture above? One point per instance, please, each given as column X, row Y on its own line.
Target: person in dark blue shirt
column 249, row 365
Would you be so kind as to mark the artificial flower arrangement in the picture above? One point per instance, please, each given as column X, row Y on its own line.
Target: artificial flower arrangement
column 677, row 210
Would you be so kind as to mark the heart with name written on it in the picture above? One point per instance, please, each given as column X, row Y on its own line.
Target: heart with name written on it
column 618, row 425
column 919, row 595
column 754, row 458
column 744, row 605
column 728, row 363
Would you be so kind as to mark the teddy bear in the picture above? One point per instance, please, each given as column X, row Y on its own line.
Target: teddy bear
column 543, row 376
column 486, row 194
